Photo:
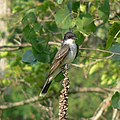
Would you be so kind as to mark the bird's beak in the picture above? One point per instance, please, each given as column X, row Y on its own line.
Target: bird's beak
column 75, row 38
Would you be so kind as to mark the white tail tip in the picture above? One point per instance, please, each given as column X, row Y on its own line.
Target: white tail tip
column 42, row 95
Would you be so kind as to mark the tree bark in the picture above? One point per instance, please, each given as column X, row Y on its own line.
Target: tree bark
column 4, row 13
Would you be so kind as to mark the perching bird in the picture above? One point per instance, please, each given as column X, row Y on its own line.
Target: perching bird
column 65, row 55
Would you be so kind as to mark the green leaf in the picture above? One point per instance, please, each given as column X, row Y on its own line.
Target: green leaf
column 39, row 47
column 6, row 82
column 96, row 68
column 116, row 49
column 109, row 41
column 63, row 19
column 29, row 34
column 80, row 38
column 113, row 34
column 118, row 40
column 29, row 58
column 116, row 100
column 114, row 30
column 85, row 24
column 3, row 54
column 59, row 1
column 29, row 18
column 37, row 27
column 42, row 56
column 76, row 6
column 104, row 10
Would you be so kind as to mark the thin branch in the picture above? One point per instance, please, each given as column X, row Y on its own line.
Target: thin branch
column 8, row 48
column 94, row 62
column 17, row 47
column 25, row 83
column 115, row 112
column 87, row 90
column 102, row 108
column 44, row 108
column 98, row 50
column 14, row 46
column 55, row 4
column 46, row 20
column 51, row 115
column 36, row 98
column 21, row 103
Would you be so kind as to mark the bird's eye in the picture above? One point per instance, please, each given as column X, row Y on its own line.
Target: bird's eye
column 70, row 37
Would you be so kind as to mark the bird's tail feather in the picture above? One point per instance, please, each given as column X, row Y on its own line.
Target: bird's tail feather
column 45, row 88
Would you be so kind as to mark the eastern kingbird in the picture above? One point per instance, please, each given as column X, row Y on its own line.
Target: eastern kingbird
column 65, row 55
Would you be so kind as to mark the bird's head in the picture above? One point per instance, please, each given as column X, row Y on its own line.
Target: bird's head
column 69, row 35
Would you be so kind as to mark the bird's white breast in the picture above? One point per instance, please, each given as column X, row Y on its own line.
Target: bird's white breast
column 73, row 50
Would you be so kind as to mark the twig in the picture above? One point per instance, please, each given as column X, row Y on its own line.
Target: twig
column 91, row 90
column 102, row 108
column 115, row 111
column 14, row 46
column 21, row 103
column 17, row 47
column 55, row 4
column 63, row 103
column 54, row 43
column 51, row 115
column 98, row 50
column 36, row 98
column 43, row 107
column 25, row 83
column 8, row 48
column 105, row 104
column 94, row 62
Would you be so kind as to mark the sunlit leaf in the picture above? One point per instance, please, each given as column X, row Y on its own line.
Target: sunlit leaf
column 118, row 40
column 83, row 8
column 63, row 19
column 59, row 1
column 4, row 54
column 95, row 68
column 6, row 82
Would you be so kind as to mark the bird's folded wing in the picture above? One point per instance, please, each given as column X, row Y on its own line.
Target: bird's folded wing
column 60, row 56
